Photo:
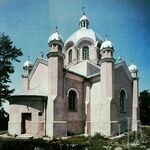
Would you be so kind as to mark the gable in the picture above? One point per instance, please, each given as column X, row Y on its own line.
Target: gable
column 39, row 74
column 125, row 68
column 37, row 61
column 85, row 68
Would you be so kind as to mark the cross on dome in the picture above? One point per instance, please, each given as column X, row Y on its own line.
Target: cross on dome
column 56, row 29
column 83, row 10
column 106, row 37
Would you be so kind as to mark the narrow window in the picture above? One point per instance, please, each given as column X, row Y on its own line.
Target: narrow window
column 122, row 101
column 85, row 53
column 72, row 101
column 70, row 56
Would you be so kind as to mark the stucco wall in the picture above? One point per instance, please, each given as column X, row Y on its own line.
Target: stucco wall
column 122, row 81
column 75, row 120
column 40, row 77
column 32, row 106
column 95, row 108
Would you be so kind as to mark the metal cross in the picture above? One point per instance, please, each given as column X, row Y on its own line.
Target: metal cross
column 56, row 28
column 106, row 37
column 83, row 8
column 42, row 54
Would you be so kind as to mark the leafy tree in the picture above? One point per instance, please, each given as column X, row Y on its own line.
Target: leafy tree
column 8, row 55
column 145, row 107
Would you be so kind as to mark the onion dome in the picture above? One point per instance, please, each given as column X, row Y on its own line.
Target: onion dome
column 133, row 68
column 84, row 17
column 28, row 65
column 106, row 44
column 55, row 37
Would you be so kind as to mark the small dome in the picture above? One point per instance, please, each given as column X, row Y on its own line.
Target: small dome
column 28, row 64
column 55, row 36
column 106, row 44
column 133, row 68
column 84, row 17
column 84, row 21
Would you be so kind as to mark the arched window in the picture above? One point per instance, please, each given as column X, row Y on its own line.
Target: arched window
column 123, row 98
column 72, row 101
column 85, row 53
column 70, row 56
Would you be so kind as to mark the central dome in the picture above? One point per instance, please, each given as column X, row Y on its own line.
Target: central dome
column 82, row 34
column 82, row 45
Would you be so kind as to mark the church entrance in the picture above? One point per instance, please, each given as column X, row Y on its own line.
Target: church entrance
column 26, row 123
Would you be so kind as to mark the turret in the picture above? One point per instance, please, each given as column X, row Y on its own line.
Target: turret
column 84, row 21
column 133, row 70
column 55, row 119
column 135, row 116
column 27, row 67
column 107, row 86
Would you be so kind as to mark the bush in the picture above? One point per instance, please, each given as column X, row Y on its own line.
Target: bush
column 97, row 142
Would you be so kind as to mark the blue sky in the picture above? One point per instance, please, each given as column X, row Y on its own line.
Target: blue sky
column 29, row 23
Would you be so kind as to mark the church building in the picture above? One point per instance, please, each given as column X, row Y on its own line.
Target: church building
column 79, row 89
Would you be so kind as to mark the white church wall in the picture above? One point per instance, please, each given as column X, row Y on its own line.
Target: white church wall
column 93, row 53
column 40, row 77
column 95, row 108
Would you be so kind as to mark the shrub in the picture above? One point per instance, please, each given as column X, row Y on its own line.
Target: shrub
column 97, row 142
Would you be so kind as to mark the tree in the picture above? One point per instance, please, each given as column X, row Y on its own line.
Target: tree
column 145, row 107
column 8, row 55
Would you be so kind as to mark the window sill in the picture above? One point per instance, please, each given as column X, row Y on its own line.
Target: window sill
column 121, row 111
column 72, row 110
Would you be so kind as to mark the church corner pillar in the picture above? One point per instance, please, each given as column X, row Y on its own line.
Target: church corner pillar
column 135, row 106
column 86, row 115
column 55, row 122
column 135, row 95
column 107, row 88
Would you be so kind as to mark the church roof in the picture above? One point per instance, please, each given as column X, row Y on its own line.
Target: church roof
column 37, row 61
column 123, row 64
column 38, row 91
column 82, row 34
column 88, row 69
